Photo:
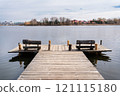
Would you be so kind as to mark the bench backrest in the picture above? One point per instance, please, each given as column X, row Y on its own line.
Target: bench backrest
column 31, row 42
column 85, row 42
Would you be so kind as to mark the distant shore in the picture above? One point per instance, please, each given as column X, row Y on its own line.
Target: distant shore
column 66, row 25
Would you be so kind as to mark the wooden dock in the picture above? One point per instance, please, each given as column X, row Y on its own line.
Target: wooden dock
column 60, row 64
column 101, row 48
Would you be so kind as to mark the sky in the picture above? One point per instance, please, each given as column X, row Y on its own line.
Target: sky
column 25, row 10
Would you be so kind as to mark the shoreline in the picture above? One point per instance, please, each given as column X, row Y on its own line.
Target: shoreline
column 68, row 25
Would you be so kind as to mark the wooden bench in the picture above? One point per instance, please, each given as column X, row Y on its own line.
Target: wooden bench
column 86, row 44
column 31, row 44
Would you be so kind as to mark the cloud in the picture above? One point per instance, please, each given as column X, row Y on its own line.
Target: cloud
column 81, row 9
column 117, row 6
column 68, row 9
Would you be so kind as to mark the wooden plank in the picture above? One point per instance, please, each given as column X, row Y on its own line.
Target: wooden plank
column 44, row 47
column 25, row 41
column 60, row 65
column 59, row 72
column 61, row 76
column 85, row 42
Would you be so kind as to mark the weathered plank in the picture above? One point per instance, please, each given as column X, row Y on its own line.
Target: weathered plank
column 101, row 48
column 60, row 65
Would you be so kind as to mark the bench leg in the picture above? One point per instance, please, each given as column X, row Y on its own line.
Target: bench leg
column 91, row 48
column 79, row 49
column 38, row 48
column 25, row 49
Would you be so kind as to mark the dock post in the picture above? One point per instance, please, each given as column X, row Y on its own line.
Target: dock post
column 96, row 46
column 20, row 63
column 49, row 45
column 96, row 61
column 100, row 42
column 70, row 47
column 67, row 42
column 20, row 48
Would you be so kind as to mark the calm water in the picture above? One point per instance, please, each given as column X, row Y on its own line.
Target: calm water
column 108, row 64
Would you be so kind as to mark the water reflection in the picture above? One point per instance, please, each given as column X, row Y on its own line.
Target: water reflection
column 23, row 59
column 95, row 57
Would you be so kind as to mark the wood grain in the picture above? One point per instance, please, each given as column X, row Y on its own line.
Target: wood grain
column 60, row 65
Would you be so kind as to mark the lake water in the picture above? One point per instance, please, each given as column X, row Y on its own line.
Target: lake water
column 11, row 66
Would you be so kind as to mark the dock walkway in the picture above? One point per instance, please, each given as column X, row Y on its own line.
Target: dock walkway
column 60, row 64
column 101, row 48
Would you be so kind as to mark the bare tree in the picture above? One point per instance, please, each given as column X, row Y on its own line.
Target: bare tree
column 68, row 21
column 62, row 20
column 33, row 22
column 53, row 20
column 45, row 21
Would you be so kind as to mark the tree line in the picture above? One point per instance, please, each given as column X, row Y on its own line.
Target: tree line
column 66, row 21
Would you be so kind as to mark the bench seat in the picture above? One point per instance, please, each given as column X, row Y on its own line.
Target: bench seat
column 89, row 44
column 27, row 47
column 28, row 43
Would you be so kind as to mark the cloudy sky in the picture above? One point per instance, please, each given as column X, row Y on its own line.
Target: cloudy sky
column 24, row 10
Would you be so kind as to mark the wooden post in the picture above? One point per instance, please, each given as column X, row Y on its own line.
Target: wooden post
column 67, row 42
column 96, row 46
column 20, row 46
column 49, row 45
column 20, row 63
column 70, row 47
column 100, row 42
column 96, row 61
column 50, row 42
